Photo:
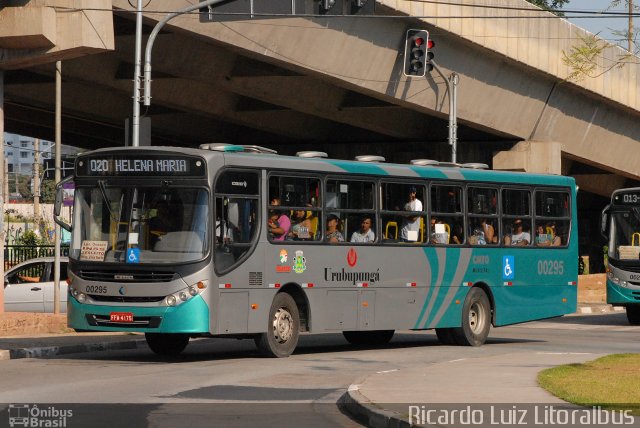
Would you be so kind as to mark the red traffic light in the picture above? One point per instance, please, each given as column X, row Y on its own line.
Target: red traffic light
column 430, row 44
column 418, row 41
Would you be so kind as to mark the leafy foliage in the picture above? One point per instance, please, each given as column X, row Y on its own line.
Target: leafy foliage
column 583, row 58
column 550, row 5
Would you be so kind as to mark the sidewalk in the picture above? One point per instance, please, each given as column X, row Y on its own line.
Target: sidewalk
column 383, row 399
column 36, row 335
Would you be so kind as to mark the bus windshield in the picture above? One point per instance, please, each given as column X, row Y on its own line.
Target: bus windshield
column 140, row 224
column 624, row 241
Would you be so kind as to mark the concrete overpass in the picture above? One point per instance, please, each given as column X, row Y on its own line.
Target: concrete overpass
column 334, row 83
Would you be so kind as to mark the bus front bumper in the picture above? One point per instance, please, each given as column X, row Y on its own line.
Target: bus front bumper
column 622, row 296
column 189, row 317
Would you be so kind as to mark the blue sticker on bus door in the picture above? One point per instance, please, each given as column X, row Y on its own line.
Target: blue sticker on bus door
column 133, row 255
column 508, row 267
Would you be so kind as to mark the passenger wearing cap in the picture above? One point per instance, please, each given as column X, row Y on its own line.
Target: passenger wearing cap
column 411, row 224
column 332, row 234
column 518, row 236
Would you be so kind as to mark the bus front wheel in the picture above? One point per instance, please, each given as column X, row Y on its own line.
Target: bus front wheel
column 283, row 328
column 167, row 344
column 633, row 314
column 476, row 319
column 368, row 338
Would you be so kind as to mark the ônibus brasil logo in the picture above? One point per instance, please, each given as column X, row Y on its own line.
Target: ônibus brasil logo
column 30, row 415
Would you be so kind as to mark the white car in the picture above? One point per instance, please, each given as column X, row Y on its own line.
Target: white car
column 28, row 286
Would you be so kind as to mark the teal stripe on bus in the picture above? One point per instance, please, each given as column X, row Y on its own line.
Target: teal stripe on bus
column 433, row 268
column 358, row 167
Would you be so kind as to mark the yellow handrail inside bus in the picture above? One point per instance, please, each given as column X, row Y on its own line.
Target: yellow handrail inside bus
column 633, row 238
column 393, row 224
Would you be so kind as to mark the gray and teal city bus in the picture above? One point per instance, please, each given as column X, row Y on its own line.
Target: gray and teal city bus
column 179, row 243
column 621, row 227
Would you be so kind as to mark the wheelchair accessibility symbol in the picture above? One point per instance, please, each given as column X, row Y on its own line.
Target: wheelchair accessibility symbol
column 508, row 267
column 133, row 255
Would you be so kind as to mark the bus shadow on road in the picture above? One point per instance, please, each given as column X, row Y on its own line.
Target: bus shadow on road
column 217, row 349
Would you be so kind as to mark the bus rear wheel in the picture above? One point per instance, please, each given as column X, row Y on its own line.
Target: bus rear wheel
column 167, row 344
column 476, row 319
column 283, row 328
column 633, row 314
column 368, row 338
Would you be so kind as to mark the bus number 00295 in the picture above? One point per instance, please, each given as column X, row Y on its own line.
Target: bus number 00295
column 550, row 267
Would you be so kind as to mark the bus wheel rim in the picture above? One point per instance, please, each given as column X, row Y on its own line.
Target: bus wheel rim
column 476, row 319
column 282, row 325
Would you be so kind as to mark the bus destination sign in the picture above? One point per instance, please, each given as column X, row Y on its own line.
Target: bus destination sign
column 627, row 198
column 140, row 166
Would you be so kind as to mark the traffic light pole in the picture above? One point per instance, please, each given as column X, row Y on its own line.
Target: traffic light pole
column 452, row 83
column 151, row 40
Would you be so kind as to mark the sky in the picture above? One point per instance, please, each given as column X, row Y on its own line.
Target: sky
column 603, row 25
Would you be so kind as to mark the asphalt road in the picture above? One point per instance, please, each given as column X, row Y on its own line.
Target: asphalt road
column 223, row 382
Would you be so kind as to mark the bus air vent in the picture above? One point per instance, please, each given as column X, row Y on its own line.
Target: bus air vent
column 255, row 279
column 449, row 164
column 222, row 147
column 475, row 165
column 259, row 149
column 424, row 162
column 370, row 158
column 311, row 154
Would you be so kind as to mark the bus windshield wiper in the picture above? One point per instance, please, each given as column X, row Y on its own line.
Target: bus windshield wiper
column 103, row 191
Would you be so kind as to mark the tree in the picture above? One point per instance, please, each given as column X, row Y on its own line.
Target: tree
column 584, row 56
column 553, row 6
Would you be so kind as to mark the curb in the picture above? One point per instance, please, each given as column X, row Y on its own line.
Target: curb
column 51, row 351
column 362, row 410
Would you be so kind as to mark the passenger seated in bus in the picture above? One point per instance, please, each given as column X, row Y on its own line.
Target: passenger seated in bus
column 272, row 224
column 301, row 226
column 457, row 236
column 483, row 233
column 518, row 236
column 556, row 241
column 545, row 237
column 439, row 232
column 332, row 234
column 411, row 224
column 365, row 234
column 281, row 227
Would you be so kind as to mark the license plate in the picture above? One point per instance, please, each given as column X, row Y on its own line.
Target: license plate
column 121, row 317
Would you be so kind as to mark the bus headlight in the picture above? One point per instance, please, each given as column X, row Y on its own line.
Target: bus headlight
column 185, row 294
column 81, row 297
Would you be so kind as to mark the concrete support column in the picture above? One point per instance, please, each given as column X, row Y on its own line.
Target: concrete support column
column 531, row 156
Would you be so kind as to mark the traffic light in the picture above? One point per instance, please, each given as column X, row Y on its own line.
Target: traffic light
column 417, row 55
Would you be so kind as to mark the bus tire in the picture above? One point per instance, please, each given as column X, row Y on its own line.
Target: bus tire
column 633, row 314
column 476, row 319
column 167, row 344
column 283, row 328
column 445, row 336
column 368, row 338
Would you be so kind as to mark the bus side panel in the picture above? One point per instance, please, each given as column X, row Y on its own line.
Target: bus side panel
column 543, row 284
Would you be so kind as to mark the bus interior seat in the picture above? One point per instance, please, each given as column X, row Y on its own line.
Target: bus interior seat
column 394, row 225
column 313, row 221
column 180, row 242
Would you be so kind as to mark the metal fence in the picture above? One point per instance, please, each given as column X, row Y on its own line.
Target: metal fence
column 14, row 254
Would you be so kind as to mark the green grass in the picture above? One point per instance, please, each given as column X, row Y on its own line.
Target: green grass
column 611, row 382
